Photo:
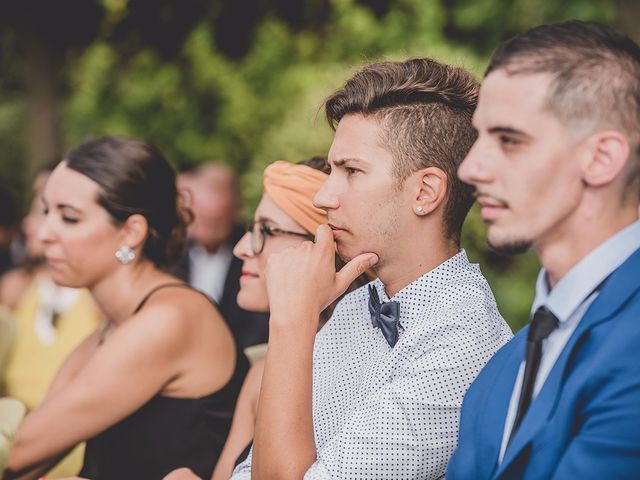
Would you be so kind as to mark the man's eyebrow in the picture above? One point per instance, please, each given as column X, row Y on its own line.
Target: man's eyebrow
column 341, row 161
column 510, row 130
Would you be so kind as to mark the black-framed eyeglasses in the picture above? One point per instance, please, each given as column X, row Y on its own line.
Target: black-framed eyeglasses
column 260, row 231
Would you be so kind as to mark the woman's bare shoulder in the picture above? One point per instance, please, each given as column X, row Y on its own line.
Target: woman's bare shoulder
column 180, row 318
column 182, row 304
column 182, row 325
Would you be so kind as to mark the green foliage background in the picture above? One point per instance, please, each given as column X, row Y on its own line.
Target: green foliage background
column 249, row 109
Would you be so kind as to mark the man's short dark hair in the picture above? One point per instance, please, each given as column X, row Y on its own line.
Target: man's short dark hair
column 425, row 109
column 595, row 77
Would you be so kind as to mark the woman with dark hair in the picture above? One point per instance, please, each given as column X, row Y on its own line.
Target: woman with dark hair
column 154, row 387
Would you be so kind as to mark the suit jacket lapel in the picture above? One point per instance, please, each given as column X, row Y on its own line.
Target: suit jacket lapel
column 618, row 287
column 496, row 404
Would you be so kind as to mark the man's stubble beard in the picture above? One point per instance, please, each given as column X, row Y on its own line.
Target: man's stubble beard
column 512, row 246
column 383, row 234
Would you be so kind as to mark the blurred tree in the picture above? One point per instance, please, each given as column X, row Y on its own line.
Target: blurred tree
column 627, row 16
column 36, row 37
column 482, row 24
column 241, row 82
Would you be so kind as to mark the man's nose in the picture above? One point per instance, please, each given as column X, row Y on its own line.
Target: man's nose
column 473, row 169
column 326, row 198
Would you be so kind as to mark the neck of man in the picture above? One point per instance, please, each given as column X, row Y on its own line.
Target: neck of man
column 214, row 247
column 211, row 249
column 408, row 261
column 592, row 224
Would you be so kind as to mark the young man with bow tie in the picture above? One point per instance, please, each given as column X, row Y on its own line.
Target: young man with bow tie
column 377, row 393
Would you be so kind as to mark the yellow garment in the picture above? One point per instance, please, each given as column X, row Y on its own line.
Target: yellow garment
column 32, row 363
column 12, row 412
column 7, row 332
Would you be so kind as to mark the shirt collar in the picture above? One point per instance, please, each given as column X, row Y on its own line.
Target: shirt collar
column 198, row 253
column 585, row 277
column 425, row 288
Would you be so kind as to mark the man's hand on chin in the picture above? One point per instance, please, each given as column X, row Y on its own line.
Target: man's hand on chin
column 303, row 280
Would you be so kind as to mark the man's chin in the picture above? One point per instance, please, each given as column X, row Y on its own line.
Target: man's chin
column 509, row 246
column 343, row 255
column 346, row 255
column 344, row 252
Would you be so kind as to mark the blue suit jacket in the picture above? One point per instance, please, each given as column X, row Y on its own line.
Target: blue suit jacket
column 585, row 422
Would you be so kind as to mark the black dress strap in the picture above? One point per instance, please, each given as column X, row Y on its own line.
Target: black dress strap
column 160, row 287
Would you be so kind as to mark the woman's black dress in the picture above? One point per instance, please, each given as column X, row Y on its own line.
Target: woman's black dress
column 166, row 433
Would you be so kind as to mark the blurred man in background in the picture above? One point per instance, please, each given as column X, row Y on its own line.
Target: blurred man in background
column 209, row 264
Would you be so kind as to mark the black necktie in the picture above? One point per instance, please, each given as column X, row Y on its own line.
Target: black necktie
column 544, row 322
column 384, row 315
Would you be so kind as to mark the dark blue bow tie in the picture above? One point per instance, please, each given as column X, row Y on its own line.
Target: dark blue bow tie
column 384, row 315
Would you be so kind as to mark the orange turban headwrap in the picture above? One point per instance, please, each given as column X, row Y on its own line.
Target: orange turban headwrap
column 292, row 188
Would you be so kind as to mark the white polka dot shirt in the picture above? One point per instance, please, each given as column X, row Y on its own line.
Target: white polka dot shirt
column 392, row 413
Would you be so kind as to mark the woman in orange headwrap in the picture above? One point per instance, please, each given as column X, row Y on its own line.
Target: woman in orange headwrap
column 284, row 218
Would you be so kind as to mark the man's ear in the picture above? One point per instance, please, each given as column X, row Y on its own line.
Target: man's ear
column 431, row 191
column 607, row 155
column 134, row 231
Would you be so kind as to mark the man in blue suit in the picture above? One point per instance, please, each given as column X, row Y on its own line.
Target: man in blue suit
column 556, row 168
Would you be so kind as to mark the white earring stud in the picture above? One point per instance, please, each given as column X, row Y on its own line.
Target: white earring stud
column 419, row 208
column 125, row 255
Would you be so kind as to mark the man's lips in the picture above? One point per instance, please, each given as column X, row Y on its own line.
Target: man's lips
column 491, row 207
column 336, row 229
column 487, row 201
